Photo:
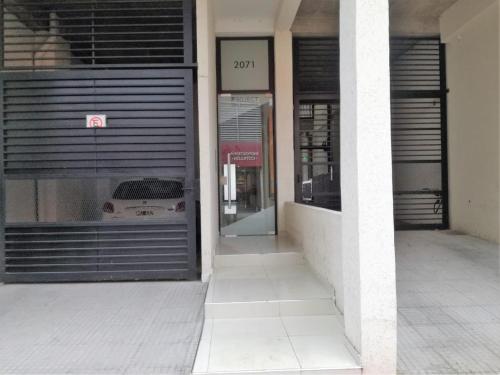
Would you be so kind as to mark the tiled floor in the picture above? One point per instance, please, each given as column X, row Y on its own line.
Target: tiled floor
column 268, row 313
column 449, row 304
column 294, row 344
column 97, row 329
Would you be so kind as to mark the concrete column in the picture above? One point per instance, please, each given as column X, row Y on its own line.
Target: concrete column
column 207, row 123
column 367, row 205
column 284, row 121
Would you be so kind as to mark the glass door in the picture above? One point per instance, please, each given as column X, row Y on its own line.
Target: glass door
column 246, row 164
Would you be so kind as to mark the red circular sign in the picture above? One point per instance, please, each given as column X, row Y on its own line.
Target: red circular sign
column 96, row 122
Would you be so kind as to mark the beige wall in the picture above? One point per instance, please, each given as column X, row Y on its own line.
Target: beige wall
column 473, row 68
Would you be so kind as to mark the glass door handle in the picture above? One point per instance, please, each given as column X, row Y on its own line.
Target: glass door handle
column 229, row 192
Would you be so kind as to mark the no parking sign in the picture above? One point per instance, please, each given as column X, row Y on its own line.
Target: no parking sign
column 96, row 121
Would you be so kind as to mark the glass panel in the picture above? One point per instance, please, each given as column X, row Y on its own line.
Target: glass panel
column 103, row 199
column 246, row 159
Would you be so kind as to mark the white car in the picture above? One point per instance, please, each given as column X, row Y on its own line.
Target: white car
column 148, row 198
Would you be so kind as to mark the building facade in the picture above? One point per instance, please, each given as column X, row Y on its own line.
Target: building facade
column 170, row 139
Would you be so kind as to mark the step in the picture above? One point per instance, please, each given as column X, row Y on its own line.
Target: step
column 266, row 312
column 256, row 245
column 256, row 259
column 278, row 345
column 285, row 286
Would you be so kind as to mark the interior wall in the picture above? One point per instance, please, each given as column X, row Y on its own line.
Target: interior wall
column 472, row 38
column 207, row 123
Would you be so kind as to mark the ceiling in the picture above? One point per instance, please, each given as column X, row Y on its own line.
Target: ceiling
column 407, row 16
column 246, row 17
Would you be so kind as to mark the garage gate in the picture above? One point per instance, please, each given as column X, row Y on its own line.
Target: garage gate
column 419, row 143
column 98, row 161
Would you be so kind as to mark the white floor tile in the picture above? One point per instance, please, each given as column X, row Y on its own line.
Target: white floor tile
column 243, row 290
column 243, row 272
column 311, row 307
column 320, row 352
column 286, row 271
column 252, row 354
column 242, row 310
column 322, row 325
column 256, row 327
column 253, row 295
column 300, row 288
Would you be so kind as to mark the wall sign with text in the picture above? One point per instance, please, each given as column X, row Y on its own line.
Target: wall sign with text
column 244, row 65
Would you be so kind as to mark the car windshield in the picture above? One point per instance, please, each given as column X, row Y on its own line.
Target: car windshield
column 149, row 189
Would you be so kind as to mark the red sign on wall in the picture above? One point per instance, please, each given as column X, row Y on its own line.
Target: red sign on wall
column 96, row 121
column 243, row 154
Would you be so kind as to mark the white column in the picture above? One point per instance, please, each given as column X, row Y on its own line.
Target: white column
column 284, row 121
column 207, row 123
column 367, row 205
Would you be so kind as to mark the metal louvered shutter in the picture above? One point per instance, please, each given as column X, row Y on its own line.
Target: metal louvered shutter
column 419, row 143
column 41, row 34
column 64, row 176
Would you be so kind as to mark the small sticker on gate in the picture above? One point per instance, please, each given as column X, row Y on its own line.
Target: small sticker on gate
column 96, row 121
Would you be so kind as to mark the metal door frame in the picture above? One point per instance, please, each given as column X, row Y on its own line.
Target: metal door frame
column 272, row 91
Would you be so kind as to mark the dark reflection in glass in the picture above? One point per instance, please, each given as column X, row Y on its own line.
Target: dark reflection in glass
column 102, row 199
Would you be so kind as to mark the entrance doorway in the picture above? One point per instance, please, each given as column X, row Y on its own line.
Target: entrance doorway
column 247, row 193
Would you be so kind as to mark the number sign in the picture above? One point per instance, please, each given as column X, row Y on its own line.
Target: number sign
column 244, row 65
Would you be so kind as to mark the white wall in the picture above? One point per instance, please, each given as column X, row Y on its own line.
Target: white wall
column 207, row 123
column 370, row 309
column 284, row 123
column 319, row 233
column 471, row 33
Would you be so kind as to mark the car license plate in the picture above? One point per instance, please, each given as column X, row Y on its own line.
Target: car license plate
column 145, row 213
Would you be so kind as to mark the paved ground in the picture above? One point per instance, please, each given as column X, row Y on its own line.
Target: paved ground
column 449, row 304
column 107, row 328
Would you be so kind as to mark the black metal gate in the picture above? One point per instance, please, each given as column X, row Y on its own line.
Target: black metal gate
column 84, row 203
column 419, row 123
column 419, row 141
